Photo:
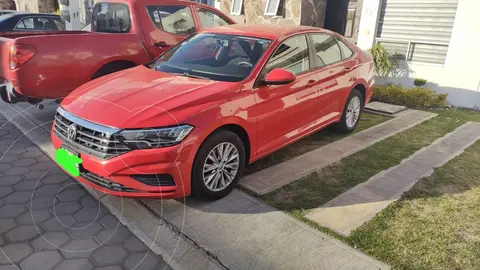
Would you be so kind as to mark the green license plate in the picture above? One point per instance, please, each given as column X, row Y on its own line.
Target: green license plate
column 69, row 161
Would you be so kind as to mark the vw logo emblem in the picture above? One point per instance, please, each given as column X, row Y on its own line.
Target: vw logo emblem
column 72, row 132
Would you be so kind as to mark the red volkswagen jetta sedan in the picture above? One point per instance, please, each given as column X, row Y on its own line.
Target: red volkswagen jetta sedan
column 190, row 121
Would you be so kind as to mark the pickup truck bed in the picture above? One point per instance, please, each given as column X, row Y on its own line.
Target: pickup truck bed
column 62, row 61
column 125, row 33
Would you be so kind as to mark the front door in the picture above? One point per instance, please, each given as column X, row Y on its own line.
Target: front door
column 284, row 111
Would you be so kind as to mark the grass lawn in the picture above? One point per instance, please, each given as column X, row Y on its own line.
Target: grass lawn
column 312, row 142
column 436, row 225
column 395, row 236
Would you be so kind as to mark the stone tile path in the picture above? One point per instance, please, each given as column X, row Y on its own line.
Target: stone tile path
column 358, row 205
column 245, row 233
column 274, row 177
column 384, row 108
column 48, row 221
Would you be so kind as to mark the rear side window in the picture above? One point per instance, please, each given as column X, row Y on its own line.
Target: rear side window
column 291, row 55
column 36, row 24
column 209, row 18
column 111, row 18
column 346, row 52
column 327, row 49
column 172, row 19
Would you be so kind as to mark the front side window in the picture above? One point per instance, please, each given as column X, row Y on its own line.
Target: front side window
column 111, row 18
column 291, row 55
column 210, row 19
column 172, row 19
column 217, row 57
column 327, row 49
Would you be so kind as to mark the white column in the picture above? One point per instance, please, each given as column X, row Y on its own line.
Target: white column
column 368, row 23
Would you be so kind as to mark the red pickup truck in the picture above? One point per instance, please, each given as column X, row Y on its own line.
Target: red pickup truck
column 125, row 33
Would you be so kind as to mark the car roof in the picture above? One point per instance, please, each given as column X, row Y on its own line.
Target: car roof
column 266, row 31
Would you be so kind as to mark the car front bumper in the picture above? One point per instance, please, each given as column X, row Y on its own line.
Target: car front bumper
column 114, row 176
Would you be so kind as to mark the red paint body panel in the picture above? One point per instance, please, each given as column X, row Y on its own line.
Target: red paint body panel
column 65, row 60
column 273, row 116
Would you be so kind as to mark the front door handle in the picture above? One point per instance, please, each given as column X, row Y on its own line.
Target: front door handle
column 161, row 44
column 347, row 69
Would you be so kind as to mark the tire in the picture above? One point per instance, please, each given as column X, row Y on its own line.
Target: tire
column 203, row 184
column 345, row 125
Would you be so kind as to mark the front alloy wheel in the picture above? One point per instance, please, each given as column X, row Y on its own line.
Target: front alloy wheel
column 218, row 165
column 221, row 166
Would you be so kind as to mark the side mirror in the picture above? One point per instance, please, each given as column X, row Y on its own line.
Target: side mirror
column 279, row 76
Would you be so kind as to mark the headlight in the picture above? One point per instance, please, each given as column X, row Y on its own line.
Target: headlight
column 153, row 137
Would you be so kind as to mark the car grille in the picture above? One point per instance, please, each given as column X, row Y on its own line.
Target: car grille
column 103, row 182
column 89, row 138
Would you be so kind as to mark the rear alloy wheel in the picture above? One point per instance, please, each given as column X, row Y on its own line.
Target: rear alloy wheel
column 351, row 112
column 218, row 165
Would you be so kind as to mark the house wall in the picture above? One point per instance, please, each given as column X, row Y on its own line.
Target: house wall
column 44, row 6
column 254, row 10
column 459, row 77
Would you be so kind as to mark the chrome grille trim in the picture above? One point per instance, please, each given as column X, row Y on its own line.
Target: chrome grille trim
column 93, row 139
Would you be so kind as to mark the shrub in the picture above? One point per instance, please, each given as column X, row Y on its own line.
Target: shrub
column 416, row 97
column 419, row 82
column 384, row 62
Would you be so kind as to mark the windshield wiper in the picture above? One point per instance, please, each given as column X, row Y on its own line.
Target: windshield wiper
column 185, row 74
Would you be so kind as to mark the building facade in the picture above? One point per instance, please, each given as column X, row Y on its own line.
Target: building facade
column 436, row 40
column 342, row 16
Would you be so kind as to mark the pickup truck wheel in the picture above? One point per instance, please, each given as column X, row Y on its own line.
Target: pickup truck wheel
column 351, row 112
column 218, row 165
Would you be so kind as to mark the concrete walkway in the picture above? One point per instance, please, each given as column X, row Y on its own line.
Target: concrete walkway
column 358, row 205
column 274, row 177
column 239, row 232
column 158, row 235
column 244, row 233
column 48, row 221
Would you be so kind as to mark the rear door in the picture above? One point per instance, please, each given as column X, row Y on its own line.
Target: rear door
column 334, row 67
column 165, row 25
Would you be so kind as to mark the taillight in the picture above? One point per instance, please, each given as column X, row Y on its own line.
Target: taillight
column 20, row 54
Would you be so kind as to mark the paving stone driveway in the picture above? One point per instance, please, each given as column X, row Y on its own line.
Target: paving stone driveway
column 48, row 221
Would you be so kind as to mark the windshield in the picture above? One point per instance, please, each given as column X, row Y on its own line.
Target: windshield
column 217, row 57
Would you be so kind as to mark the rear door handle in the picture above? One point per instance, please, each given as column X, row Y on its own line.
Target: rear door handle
column 161, row 44
column 311, row 82
column 347, row 69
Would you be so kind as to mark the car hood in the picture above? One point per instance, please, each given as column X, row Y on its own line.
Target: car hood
column 141, row 97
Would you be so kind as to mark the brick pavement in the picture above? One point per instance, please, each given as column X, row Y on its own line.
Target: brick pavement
column 49, row 221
